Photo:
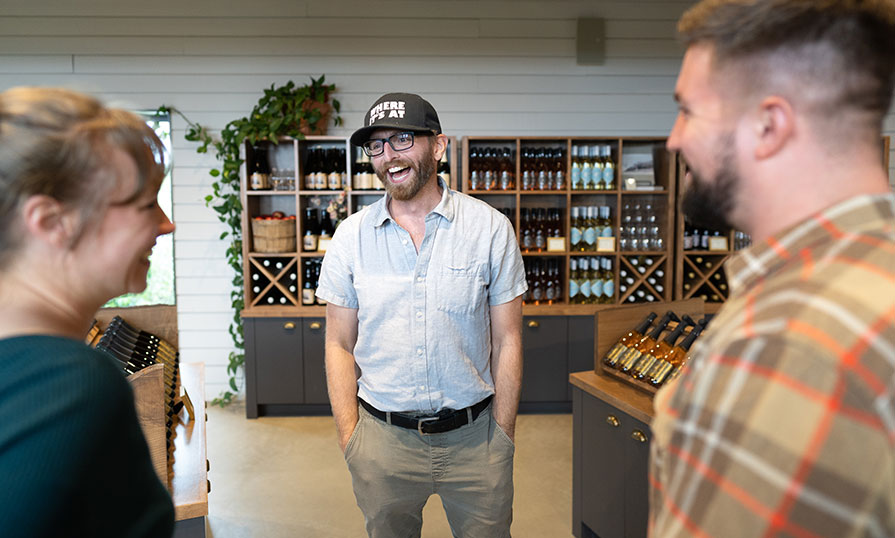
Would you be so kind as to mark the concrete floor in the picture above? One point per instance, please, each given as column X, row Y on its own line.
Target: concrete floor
column 285, row 477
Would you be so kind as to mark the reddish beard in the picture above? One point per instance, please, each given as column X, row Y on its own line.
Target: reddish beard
column 421, row 172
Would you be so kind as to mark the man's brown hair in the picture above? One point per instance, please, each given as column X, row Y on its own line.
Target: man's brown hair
column 837, row 56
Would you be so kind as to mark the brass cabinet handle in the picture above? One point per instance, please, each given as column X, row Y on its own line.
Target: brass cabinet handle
column 533, row 324
column 289, row 325
column 315, row 325
column 637, row 435
column 612, row 421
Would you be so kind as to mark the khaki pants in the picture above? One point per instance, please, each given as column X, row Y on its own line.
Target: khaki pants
column 394, row 471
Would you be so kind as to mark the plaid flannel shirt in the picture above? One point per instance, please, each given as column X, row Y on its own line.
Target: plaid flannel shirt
column 783, row 424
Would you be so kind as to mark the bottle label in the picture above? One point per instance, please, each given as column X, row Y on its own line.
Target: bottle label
column 655, row 368
column 630, row 358
column 334, row 180
column 575, row 236
column 585, row 289
column 660, row 375
column 596, row 287
column 606, row 231
column 608, row 175
column 307, row 296
column 645, row 364
column 573, row 289
column 260, row 181
column 586, row 177
column 608, row 288
column 590, row 236
column 310, row 242
column 612, row 357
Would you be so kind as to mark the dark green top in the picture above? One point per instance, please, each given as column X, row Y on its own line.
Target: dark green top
column 73, row 459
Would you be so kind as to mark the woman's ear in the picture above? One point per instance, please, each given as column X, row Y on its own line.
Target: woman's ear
column 45, row 218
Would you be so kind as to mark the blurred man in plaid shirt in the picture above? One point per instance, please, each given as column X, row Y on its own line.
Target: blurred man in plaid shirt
column 783, row 424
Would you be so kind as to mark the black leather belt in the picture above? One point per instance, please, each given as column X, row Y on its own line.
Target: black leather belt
column 444, row 421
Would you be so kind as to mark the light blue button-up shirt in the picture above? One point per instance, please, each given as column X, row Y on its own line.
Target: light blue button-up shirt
column 424, row 324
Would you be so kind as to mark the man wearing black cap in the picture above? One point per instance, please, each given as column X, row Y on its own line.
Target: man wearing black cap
column 423, row 340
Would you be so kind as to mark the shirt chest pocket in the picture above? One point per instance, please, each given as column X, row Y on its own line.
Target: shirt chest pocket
column 461, row 289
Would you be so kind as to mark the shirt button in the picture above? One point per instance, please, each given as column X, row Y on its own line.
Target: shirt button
column 419, row 351
column 404, row 241
column 420, row 279
column 419, row 315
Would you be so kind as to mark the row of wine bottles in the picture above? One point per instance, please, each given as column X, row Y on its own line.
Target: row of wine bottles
column 324, row 168
column 645, row 357
column 593, row 168
column 536, row 225
column 316, row 230
column 587, row 224
column 544, row 281
column 591, row 281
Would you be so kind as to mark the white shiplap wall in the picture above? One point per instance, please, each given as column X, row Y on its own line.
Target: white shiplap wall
column 489, row 67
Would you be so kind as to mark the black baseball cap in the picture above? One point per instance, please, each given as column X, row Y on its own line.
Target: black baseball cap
column 405, row 111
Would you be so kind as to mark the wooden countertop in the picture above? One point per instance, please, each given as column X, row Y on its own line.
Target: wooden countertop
column 189, row 477
column 628, row 399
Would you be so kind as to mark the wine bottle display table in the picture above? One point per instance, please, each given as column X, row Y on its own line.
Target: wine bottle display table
column 189, row 484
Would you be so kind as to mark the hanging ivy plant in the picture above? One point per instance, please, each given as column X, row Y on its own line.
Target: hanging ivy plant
column 285, row 111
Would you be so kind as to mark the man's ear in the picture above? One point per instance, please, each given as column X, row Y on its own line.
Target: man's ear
column 774, row 126
column 46, row 218
column 441, row 144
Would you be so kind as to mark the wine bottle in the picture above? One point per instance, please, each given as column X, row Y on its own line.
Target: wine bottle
column 326, row 232
column 311, row 230
column 260, row 178
column 334, row 170
column 630, row 357
column 676, row 358
column 660, row 349
column 574, row 286
column 308, row 287
column 628, row 340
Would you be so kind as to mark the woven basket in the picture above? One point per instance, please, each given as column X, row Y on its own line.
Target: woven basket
column 273, row 235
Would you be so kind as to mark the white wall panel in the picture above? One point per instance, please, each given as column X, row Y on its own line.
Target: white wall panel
column 490, row 67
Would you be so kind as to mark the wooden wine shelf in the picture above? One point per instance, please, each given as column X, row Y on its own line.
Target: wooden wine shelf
column 295, row 201
column 628, row 380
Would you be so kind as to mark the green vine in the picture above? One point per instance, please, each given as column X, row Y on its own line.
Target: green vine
column 283, row 111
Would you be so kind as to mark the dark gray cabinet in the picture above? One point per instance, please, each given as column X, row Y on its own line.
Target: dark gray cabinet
column 285, row 373
column 610, row 455
column 312, row 359
column 545, row 359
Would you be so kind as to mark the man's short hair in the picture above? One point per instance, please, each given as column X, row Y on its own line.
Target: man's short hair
column 837, row 55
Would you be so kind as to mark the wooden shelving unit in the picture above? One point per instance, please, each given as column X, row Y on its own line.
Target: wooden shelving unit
column 280, row 276
column 639, row 275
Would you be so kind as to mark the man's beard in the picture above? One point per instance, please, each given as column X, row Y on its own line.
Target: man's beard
column 709, row 204
column 407, row 190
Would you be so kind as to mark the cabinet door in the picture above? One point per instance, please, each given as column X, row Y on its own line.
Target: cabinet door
column 602, row 460
column 581, row 347
column 278, row 361
column 545, row 353
column 636, row 480
column 314, row 330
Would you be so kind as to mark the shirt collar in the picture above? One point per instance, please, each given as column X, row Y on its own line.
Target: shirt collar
column 856, row 215
column 444, row 208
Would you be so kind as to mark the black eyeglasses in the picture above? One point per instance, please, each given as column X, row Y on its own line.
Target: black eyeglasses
column 398, row 142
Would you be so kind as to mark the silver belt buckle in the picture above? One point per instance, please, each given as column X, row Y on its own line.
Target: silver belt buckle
column 419, row 424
